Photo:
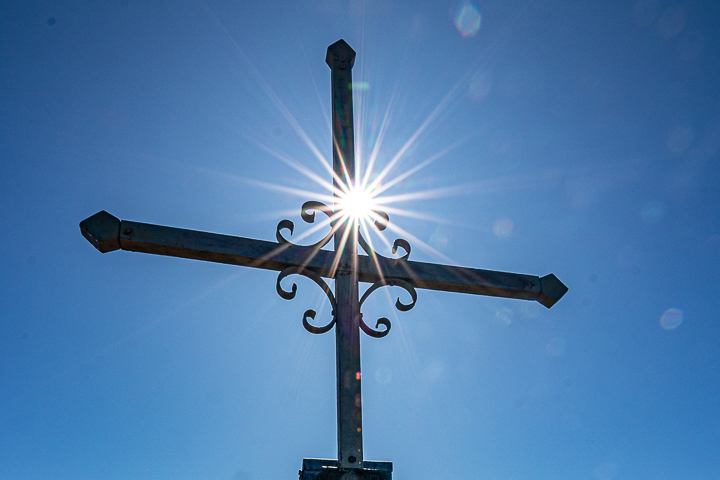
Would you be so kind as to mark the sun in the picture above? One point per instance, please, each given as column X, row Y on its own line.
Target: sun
column 357, row 204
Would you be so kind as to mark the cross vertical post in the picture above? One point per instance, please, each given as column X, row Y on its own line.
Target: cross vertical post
column 341, row 58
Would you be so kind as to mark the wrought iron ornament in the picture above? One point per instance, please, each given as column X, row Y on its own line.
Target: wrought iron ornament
column 307, row 213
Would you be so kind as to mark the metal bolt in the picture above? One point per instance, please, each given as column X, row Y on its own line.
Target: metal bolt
column 351, row 459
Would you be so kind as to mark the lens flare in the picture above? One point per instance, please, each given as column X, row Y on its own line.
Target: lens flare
column 467, row 18
column 671, row 318
column 383, row 375
column 504, row 316
column 503, row 228
column 679, row 139
column 362, row 86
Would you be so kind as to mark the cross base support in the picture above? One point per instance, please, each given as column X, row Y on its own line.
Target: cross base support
column 326, row 469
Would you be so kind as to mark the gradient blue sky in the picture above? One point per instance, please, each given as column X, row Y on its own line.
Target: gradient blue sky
column 586, row 139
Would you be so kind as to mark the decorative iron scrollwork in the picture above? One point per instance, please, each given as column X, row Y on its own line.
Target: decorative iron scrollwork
column 382, row 221
column 399, row 242
column 307, row 213
column 381, row 224
column 290, row 294
column 403, row 307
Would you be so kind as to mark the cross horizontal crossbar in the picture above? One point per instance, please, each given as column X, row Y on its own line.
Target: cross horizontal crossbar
column 107, row 233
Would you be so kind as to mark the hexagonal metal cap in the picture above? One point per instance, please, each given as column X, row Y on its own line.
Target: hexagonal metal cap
column 341, row 52
column 102, row 230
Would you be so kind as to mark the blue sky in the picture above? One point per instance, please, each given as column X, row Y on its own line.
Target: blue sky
column 585, row 142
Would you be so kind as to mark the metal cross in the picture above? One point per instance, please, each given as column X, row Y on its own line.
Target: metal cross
column 345, row 265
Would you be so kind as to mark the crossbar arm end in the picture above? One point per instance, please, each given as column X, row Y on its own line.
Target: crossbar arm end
column 551, row 290
column 102, row 230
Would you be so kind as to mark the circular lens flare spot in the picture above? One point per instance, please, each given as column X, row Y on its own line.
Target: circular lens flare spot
column 504, row 316
column 467, row 18
column 383, row 375
column 503, row 228
column 679, row 139
column 671, row 318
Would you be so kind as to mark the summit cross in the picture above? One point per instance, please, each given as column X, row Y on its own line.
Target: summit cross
column 345, row 265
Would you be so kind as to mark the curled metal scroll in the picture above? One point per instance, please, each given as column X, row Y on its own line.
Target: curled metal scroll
column 307, row 213
column 399, row 242
column 290, row 294
column 403, row 307
column 381, row 224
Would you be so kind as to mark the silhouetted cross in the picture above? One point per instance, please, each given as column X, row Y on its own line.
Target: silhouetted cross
column 344, row 265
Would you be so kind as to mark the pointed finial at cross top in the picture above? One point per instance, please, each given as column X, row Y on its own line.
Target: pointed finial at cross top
column 344, row 264
column 341, row 52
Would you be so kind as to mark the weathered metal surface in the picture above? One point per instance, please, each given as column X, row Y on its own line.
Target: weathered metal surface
column 551, row 290
column 341, row 58
column 320, row 468
column 448, row 278
column 212, row 247
column 102, row 230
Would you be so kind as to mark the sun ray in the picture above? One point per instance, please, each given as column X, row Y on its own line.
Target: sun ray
column 361, row 110
column 340, row 248
column 369, row 238
column 296, row 166
column 379, row 139
column 292, row 121
column 383, row 187
column 373, row 258
column 341, row 181
column 280, row 188
column 429, row 194
column 510, row 182
column 319, row 226
column 275, row 99
column 326, row 114
column 263, row 184
column 414, row 214
column 413, row 138
column 421, row 245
